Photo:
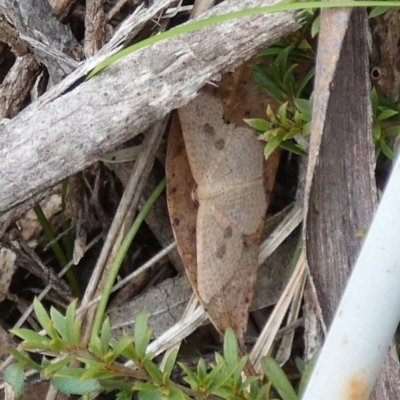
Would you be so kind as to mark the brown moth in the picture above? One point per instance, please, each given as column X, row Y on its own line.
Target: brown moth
column 227, row 165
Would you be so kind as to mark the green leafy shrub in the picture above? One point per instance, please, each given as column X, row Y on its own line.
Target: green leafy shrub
column 288, row 126
column 101, row 365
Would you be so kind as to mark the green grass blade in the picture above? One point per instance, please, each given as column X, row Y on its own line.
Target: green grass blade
column 120, row 256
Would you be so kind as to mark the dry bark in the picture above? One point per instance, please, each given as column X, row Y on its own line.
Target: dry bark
column 57, row 139
column 95, row 27
column 17, row 85
column 343, row 190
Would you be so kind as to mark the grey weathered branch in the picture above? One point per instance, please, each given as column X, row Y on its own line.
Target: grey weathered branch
column 49, row 141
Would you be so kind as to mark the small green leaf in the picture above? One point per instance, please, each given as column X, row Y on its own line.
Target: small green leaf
column 293, row 148
column 32, row 340
column 376, row 11
column 282, row 114
column 24, row 359
column 148, row 391
column 299, row 362
column 258, row 124
column 297, row 118
column 264, row 137
column 43, row 318
column 307, row 129
column 169, row 364
column 153, row 370
column 123, row 395
column 105, row 336
column 271, row 146
column 386, row 114
column 231, row 348
column 70, row 385
column 191, row 377
column 376, row 131
column 272, row 116
column 219, row 359
column 95, row 346
column 72, row 326
column 201, row 369
column 66, row 372
column 272, row 51
column 386, row 150
column 315, row 26
column 59, row 322
column 115, row 384
column 226, row 393
column 175, row 394
column 304, row 106
column 281, row 62
column 145, row 387
column 77, row 332
column 14, row 375
column 142, row 334
column 278, row 378
column 150, row 395
column 122, row 344
column 305, row 377
column 304, row 45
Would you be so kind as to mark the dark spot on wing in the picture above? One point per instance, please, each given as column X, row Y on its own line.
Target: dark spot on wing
column 219, row 144
column 228, row 233
column 245, row 241
column 208, row 130
column 220, row 251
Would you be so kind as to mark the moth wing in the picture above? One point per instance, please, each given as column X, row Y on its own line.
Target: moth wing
column 241, row 160
column 243, row 205
column 219, row 248
column 204, row 131
column 227, row 266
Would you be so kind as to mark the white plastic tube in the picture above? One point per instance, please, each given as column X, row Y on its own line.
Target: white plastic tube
column 368, row 313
